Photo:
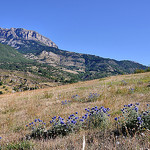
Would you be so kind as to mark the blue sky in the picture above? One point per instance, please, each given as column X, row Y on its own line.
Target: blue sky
column 117, row 29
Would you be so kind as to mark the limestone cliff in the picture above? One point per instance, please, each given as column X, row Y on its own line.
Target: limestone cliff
column 16, row 36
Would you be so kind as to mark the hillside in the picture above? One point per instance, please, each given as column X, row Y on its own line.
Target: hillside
column 19, row 110
column 20, row 73
column 89, row 66
column 84, row 67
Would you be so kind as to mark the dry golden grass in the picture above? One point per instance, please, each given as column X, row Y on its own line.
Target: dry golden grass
column 19, row 109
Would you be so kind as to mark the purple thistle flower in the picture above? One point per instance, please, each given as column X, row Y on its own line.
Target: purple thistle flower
column 104, row 110
column 138, row 118
column 108, row 109
column 116, row 118
column 74, row 122
column 62, row 122
column 136, row 109
column 81, row 120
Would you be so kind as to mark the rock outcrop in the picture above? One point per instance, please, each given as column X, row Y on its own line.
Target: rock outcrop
column 16, row 36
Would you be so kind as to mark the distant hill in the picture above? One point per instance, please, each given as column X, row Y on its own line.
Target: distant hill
column 72, row 66
column 20, row 73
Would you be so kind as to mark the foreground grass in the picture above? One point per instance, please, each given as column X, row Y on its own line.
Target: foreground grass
column 17, row 110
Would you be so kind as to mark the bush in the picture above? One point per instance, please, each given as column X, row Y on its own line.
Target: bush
column 133, row 120
column 59, row 127
column 38, row 129
column 93, row 97
column 1, row 83
column 98, row 118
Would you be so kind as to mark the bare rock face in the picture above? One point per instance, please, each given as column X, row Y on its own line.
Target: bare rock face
column 14, row 36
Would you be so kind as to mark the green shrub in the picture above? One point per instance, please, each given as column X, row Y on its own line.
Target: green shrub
column 98, row 118
column 1, row 83
column 133, row 120
column 38, row 129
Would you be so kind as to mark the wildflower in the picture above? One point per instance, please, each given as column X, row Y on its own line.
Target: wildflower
column 81, row 120
column 76, row 112
column 104, row 110
column 74, row 122
column 26, row 125
column 108, row 109
column 35, row 120
column 62, row 122
column 129, row 105
column 136, row 109
column 0, row 138
column 116, row 118
column 138, row 118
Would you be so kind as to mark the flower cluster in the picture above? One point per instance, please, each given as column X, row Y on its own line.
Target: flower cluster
column 123, row 82
column 98, row 117
column 60, row 126
column 132, row 119
column 94, row 117
column 65, row 102
column 93, row 97
column 131, row 90
column 76, row 97
column 37, row 127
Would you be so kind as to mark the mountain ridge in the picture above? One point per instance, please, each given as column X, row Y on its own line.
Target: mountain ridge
column 83, row 66
column 14, row 36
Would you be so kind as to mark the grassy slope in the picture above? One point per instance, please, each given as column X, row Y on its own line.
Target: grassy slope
column 9, row 55
column 11, row 59
column 17, row 110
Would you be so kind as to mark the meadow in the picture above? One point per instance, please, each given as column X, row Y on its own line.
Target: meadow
column 23, row 113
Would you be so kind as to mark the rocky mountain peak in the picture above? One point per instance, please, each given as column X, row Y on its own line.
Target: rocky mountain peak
column 15, row 36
